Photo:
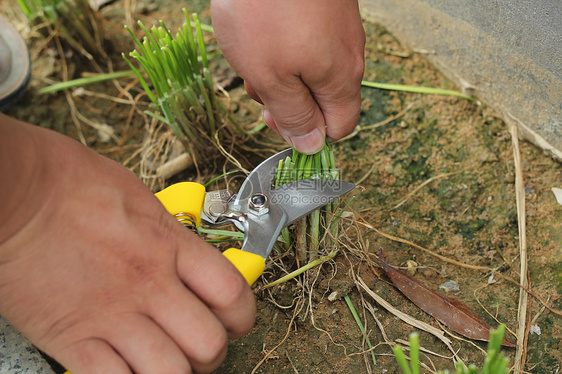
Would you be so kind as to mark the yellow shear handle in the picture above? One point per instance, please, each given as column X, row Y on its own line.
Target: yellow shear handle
column 186, row 198
column 250, row 265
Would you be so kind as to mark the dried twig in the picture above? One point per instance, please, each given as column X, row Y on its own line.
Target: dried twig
column 521, row 352
column 366, row 175
column 443, row 258
column 409, row 319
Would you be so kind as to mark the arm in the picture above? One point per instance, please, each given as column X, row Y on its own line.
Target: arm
column 302, row 59
column 97, row 274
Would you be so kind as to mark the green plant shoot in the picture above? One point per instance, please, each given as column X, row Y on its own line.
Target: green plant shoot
column 494, row 363
column 183, row 95
column 73, row 20
column 310, row 229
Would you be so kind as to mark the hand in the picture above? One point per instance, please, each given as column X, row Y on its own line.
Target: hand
column 303, row 59
column 98, row 275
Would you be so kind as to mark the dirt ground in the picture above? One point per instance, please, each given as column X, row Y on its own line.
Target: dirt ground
column 440, row 174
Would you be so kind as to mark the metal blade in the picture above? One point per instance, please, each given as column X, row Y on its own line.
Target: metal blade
column 261, row 232
column 260, row 178
column 300, row 198
column 287, row 204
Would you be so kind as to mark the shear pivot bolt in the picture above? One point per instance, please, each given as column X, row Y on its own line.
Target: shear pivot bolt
column 259, row 203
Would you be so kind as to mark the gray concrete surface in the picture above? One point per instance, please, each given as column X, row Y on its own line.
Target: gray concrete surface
column 506, row 53
column 17, row 354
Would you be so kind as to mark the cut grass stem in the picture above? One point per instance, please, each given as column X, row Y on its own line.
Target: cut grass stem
column 312, row 228
column 86, row 81
column 302, row 269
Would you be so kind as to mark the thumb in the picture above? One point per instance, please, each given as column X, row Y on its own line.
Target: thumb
column 292, row 111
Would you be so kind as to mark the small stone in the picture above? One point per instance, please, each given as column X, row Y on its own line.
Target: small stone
column 347, row 214
column 535, row 329
column 105, row 132
column 79, row 92
column 412, row 267
column 333, row 296
column 450, row 286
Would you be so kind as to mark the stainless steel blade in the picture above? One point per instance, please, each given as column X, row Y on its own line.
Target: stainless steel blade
column 260, row 178
column 303, row 197
column 287, row 204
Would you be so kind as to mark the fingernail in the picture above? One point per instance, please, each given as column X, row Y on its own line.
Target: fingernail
column 309, row 144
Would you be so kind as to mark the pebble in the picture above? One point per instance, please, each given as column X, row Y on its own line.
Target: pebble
column 535, row 329
column 450, row 286
column 333, row 296
column 412, row 267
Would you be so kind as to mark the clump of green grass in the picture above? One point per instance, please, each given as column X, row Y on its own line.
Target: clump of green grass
column 312, row 229
column 494, row 363
column 183, row 95
column 74, row 21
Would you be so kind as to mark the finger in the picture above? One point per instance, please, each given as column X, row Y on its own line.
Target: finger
column 194, row 328
column 220, row 285
column 92, row 356
column 269, row 121
column 146, row 347
column 341, row 113
column 253, row 94
column 297, row 116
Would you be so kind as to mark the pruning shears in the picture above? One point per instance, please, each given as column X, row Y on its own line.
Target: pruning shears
column 258, row 210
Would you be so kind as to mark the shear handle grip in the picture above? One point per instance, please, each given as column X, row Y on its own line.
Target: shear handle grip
column 186, row 198
column 250, row 265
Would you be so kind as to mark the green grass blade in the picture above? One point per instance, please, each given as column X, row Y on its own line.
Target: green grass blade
column 415, row 89
column 302, row 269
column 401, row 358
column 158, row 117
column 233, row 234
column 415, row 353
column 360, row 324
column 86, row 81
column 25, row 8
column 192, row 50
column 204, row 27
column 200, row 42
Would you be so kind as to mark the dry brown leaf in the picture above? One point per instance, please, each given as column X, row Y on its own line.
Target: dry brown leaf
column 452, row 313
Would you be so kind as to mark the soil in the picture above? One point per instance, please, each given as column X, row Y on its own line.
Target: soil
column 451, row 158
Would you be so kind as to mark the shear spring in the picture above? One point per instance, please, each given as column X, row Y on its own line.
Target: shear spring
column 187, row 220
